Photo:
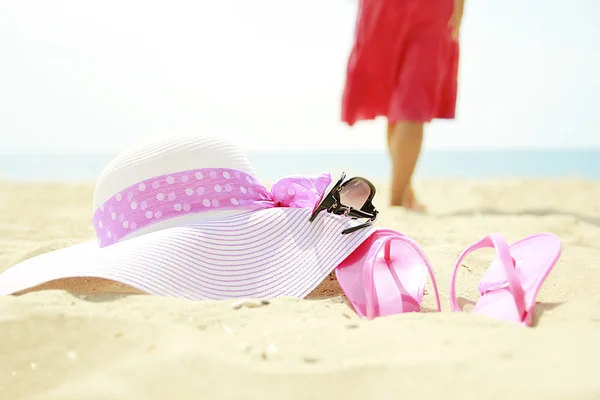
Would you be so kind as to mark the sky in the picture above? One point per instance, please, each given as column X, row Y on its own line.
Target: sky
column 81, row 75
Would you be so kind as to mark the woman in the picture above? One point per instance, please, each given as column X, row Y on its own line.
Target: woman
column 404, row 66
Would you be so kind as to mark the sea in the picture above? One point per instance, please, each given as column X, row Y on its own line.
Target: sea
column 467, row 164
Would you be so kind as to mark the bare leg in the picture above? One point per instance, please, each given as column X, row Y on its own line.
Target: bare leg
column 404, row 141
column 390, row 130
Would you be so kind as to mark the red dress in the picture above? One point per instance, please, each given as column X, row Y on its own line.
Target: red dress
column 404, row 63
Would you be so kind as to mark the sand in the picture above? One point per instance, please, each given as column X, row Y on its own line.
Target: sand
column 61, row 345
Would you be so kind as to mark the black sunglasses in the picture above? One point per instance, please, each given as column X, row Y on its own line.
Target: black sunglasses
column 352, row 198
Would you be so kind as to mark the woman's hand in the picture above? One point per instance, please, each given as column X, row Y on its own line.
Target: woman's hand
column 456, row 18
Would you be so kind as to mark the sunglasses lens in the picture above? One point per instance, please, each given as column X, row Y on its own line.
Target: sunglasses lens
column 355, row 193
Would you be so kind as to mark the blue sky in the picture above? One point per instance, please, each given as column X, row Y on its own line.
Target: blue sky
column 268, row 74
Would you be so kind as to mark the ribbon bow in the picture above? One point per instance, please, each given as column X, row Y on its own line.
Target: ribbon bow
column 299, row 191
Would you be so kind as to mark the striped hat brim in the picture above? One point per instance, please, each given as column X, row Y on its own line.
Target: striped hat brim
column 261, row 254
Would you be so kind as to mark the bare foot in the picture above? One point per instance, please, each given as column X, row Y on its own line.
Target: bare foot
column 410, row 201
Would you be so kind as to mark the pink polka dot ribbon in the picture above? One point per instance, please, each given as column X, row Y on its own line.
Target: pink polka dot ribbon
column 196, row 191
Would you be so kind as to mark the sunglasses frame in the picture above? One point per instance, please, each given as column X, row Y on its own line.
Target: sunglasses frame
column 331, row 202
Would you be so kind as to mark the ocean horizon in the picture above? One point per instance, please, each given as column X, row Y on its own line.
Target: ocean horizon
column 374, row 165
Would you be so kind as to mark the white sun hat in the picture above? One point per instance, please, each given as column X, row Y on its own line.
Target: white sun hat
column 187, row 217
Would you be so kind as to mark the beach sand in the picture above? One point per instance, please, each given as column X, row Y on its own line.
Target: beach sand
column 59, row 345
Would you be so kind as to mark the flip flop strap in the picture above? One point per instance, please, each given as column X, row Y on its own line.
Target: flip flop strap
column 498, row 242
column 368, row 269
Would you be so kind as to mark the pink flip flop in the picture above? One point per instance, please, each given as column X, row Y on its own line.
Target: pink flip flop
column 386, row 275
column 509, row 287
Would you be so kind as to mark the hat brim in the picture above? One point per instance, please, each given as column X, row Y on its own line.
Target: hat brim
column 261, row 254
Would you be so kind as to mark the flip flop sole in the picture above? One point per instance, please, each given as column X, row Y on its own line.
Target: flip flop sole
column 534, row 257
